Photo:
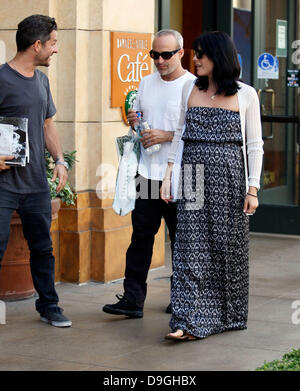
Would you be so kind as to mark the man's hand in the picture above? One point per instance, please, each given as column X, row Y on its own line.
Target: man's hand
column 131, row 117
column 155, row 136
column 61, row 172
column 4, row 166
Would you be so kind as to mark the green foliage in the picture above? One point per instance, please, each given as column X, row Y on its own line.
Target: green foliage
column 67, row 195
column 289, row 362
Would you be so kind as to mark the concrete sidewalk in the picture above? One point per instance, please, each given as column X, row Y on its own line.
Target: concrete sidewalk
column 100, row 342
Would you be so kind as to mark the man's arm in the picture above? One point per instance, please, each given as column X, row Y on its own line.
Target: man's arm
column 156, row 136
column 54, row 147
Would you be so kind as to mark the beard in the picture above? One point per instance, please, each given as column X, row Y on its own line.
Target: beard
column 43, row 61
column 167, row 70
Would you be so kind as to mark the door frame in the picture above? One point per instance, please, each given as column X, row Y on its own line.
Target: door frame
column 277, row 218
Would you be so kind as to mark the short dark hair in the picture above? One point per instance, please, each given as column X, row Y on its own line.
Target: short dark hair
column 219, row 48
column 33, row 28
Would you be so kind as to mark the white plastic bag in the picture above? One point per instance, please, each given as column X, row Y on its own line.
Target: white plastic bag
column 125, row 193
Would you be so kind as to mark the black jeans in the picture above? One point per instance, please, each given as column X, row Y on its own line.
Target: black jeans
column 146, row 220
column 35, row 212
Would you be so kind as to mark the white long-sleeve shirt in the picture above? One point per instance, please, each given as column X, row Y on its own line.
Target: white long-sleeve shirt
column 251, row 131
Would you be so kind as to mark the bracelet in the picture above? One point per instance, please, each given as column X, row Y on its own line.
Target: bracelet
column 166, row 178
column 252, row 195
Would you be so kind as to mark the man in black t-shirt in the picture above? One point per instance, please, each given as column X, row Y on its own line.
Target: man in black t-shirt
column 25, row 93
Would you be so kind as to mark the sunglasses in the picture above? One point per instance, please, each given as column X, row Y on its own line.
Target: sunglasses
column 165, row 55
column 199, row 53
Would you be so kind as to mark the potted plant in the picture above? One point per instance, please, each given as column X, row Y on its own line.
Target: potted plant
column 15, row 276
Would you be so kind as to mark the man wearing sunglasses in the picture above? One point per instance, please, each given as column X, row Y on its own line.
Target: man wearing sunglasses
column 159, row 99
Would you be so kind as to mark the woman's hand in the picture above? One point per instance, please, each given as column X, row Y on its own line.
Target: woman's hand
column 165, row 191
column 251, row 201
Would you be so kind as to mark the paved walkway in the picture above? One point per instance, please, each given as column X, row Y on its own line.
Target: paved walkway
column 100, row 342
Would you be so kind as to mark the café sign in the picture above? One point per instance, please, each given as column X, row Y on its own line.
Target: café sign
column 130, row 62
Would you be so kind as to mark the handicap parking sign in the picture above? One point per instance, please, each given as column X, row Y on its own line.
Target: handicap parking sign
column 267, row 66
column 266, row 61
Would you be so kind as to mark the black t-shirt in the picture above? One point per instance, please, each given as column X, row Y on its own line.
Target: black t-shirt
column 28, row 97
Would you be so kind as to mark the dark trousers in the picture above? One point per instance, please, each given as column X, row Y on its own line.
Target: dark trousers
column 146, row 220
column 35, row 213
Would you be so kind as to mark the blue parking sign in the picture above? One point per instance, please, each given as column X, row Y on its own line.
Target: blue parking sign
column 267, row 66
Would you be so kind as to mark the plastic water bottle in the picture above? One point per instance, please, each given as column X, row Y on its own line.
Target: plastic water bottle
column 143, row 125
column 138, row 127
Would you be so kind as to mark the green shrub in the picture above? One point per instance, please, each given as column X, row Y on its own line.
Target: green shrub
column 289, row 362
column 67, row 195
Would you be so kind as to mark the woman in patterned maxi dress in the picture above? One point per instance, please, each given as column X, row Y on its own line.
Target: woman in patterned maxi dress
column 210, row 263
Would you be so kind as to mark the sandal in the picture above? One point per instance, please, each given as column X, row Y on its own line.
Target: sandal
column 181, row 335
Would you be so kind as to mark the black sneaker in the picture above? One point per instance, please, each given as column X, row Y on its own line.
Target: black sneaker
column 124, row 307
column 54, row 316
column 169, row 309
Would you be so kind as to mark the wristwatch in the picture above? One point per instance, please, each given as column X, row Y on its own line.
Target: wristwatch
column 62, row 163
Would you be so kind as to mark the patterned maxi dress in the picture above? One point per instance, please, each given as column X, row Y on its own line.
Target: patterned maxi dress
column 210, row 263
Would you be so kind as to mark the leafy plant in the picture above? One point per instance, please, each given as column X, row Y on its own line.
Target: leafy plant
column 289, row 362
column 66, row 194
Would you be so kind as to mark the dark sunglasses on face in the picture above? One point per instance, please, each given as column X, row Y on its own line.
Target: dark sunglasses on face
column 165, row 55
column 199, row 53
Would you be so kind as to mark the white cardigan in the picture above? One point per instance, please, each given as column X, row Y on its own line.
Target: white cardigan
column 251, row 131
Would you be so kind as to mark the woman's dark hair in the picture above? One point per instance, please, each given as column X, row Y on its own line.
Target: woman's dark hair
column 33, row 28
column 219, row 48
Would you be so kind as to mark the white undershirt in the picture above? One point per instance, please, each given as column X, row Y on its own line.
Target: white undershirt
column 160, row 102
